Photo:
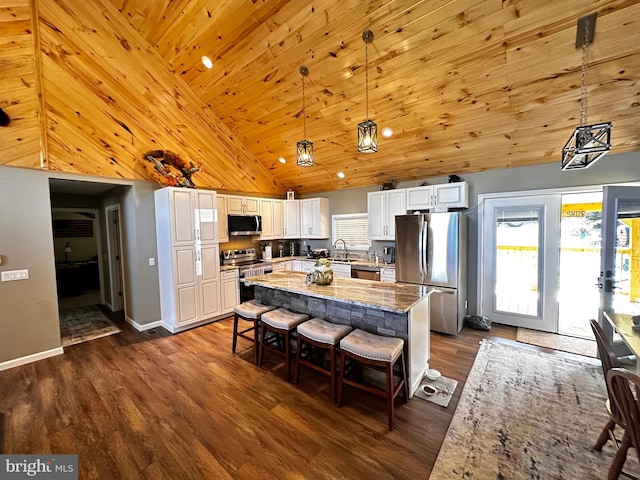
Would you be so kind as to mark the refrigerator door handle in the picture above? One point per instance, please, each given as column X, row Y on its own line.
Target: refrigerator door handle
column 447, row 292
column 423, row 252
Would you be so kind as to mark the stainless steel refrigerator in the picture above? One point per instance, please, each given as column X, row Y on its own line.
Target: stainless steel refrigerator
column 431, row 249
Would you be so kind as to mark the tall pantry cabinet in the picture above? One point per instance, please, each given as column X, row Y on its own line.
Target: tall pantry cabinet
column 188, row 256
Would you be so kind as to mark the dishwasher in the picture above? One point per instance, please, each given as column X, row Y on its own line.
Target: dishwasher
column 365, row 273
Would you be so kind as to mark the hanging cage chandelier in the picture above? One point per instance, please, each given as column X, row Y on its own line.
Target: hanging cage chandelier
column 588, row 143
column 367, row 130
column 304, row 148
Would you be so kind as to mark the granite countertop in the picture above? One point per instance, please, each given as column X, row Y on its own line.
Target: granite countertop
column 228, row 267
column 391, row 297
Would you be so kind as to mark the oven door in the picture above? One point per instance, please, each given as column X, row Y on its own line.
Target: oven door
column 246, row 291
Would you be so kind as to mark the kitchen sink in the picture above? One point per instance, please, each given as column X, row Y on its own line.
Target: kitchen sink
column 345, row 260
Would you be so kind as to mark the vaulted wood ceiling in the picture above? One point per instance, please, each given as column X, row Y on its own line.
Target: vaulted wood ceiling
column 466, row 85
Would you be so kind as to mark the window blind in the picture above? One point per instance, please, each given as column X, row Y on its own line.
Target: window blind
column 353, row 229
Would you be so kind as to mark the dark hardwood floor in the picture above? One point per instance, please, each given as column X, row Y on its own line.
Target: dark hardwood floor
column 153, row 405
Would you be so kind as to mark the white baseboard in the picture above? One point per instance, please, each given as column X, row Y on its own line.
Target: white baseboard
column 16, row 362
column 142, row 328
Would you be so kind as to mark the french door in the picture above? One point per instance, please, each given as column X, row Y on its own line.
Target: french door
column 520, row 261
column 619, row 280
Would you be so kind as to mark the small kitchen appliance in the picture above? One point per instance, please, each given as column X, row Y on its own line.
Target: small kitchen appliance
column 389, row 254
column 267, row 252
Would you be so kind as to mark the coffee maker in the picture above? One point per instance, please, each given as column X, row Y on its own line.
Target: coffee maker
column 389, row 254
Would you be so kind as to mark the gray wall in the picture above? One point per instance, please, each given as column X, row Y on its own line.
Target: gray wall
column 29, row 321
column 28, row 308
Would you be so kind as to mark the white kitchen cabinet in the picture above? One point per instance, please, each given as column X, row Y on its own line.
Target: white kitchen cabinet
column 388, row 275
column 188, row 256
column 238, row 205
column 223, row 225
column 278, row 219
column 382, row 208
column 291, row 218
column 282, row 266
column 266, row 211
column 272, row 214
column 230, row 289
column 314, row 218
column 438, row 197
column 341, row 270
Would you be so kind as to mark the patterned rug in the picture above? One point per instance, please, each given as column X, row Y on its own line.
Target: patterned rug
column 83, row 324
column 528, row 415
column 564, row 343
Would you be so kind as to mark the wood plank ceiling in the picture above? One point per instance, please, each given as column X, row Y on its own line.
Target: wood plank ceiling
column 466, row 85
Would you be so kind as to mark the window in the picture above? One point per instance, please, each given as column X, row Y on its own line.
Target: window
column 353, row 229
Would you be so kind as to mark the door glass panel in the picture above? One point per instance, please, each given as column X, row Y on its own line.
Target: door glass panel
column 626, row 288
column 580, row 244
column 517, row 267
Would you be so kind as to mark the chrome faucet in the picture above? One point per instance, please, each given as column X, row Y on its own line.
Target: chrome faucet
column 346, row 252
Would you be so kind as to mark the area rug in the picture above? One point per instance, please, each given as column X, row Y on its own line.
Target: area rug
column 525, row 414
column 564, row 343
column 83, row 324
column 444, row 390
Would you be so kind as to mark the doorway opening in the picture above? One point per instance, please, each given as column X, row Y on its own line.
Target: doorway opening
column 580, row 248
column 77, row 247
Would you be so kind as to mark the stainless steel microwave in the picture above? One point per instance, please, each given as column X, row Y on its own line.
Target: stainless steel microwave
column 245, row 224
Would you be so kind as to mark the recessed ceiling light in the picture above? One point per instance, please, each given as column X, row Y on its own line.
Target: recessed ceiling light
column 387, row 132
column 206, row 61
column 282, row 160
column 340, row 175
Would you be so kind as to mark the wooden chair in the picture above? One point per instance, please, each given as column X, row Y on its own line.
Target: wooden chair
column 320, row 335
column 609, row 360
column 381, row 353
column 281, row 323
column 250, row 312
column 624, row 389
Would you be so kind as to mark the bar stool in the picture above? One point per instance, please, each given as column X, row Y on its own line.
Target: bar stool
column 324, row 335
column 381, row 353
column 281, row 322
column 251, row 312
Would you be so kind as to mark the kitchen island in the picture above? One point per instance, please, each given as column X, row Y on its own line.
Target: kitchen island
column 391, row 309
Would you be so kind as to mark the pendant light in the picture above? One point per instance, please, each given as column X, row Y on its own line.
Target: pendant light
column 588, row 143
column 367, row 130
column 304, row 148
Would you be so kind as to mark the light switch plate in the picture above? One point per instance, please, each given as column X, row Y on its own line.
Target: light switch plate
column 11, row 275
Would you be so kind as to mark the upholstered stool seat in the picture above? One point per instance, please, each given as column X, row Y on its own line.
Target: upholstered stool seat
column 323, row 335
column 281, row 322
column 249, row 311
column 378, row 352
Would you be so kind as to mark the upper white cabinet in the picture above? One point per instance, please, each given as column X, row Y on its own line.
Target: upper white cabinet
column 223, row 224
column 278, row 219
column 266, row 211
column 438, row 197
column 237, row 205
column 383, row 207
column 188, row 256
column 291, row 218
column 314, row 218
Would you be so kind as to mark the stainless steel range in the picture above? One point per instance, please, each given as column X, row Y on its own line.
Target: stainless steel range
column 249, row 266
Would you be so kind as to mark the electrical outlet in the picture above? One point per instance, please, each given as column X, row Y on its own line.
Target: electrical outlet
column 152, row 261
